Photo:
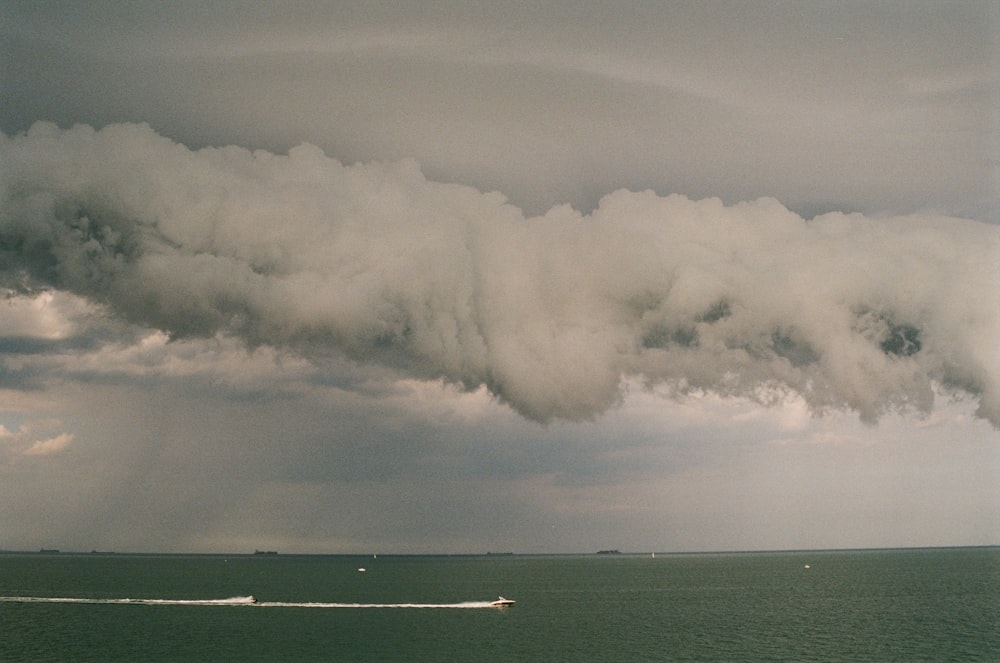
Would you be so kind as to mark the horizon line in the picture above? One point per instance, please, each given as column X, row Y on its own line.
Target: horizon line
column 595, row 553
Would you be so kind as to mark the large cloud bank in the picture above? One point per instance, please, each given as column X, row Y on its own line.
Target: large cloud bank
column 551, row 313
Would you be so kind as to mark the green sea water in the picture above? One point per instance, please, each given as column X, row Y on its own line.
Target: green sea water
column 881, row 605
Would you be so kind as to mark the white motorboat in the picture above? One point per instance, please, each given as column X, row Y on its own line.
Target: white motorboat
column 501, row 602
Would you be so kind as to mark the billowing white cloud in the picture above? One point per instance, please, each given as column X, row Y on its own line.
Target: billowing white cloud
column 51, row 315
column 441, row 281
column 26, row 440
column 50, row 446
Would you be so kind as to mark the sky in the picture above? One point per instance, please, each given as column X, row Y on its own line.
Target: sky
column 323, row 277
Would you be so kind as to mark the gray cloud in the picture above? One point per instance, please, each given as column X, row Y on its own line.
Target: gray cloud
column 378, row 263
column 826, row 107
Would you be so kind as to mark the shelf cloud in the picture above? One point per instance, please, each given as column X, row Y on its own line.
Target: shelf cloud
column 552, row 313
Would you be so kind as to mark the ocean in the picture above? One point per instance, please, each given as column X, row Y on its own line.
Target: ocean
column 874, row 605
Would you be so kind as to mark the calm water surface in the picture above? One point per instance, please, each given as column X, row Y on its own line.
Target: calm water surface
column 897, row 605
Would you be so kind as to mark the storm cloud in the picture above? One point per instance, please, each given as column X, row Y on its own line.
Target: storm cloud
column 552, row 313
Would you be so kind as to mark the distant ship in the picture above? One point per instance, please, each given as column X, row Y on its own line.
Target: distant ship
column 501, row 602
column 609, row 552
column 270, row 553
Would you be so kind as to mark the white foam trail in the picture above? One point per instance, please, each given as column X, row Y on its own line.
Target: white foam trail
column 465, row 604
column 239, row 601
column 234, row 600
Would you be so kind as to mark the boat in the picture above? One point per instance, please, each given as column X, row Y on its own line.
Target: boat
column 501, row 602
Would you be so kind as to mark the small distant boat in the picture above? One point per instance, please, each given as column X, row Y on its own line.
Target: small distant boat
column 268, row 553
column 501, row 602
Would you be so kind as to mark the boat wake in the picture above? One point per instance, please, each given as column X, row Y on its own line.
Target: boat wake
column 233, row 600
column 249, row 601
column 465, row 604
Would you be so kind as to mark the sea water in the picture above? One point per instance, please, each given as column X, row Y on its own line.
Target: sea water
column 879, row 605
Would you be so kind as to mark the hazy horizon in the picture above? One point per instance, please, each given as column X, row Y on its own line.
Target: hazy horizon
column 472, row 553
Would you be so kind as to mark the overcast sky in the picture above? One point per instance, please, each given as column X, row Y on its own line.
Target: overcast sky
column 462, row 277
